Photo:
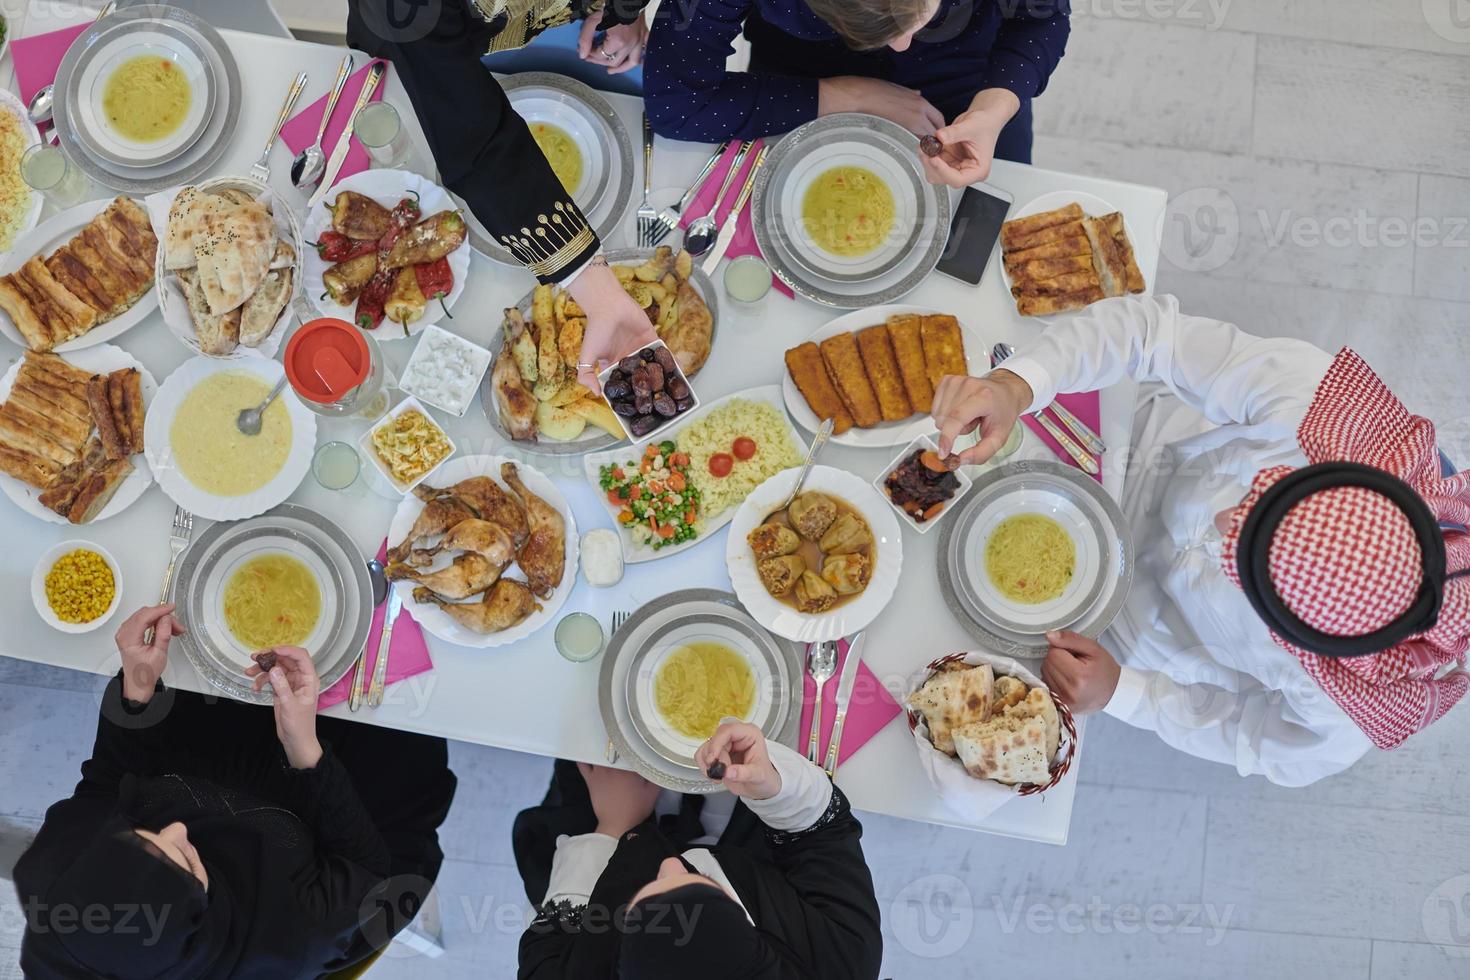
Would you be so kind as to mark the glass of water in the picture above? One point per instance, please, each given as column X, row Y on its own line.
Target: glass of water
column 46, row 170
column 747, row 282
column 381, row 130
column 336, row 465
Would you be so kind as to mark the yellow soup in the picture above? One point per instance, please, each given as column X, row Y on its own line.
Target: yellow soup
column 272, row 600
column 701, row 683
column 212, row 453
column 848, row 211
column 147, row 98
column 1030, row 558
column 561, row 152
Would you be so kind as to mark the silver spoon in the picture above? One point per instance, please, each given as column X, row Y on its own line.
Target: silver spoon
column 311, row 163
column 43, row 102
column 379, row 581
column 248, row 421
column 818, row 441
column 704, row 230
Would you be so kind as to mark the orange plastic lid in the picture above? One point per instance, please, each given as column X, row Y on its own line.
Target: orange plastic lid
column 326, row 359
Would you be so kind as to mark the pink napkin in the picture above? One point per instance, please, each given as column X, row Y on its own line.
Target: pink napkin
column 37, row 58
column 1087, row 406
column 408, row 654
column 300, row 130
column 744, row 241
column 868, row 710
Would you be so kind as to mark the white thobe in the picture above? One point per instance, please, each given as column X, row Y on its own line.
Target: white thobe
column 1217, row 405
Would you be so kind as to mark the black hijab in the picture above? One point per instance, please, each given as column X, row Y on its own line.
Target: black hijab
column 695, row 930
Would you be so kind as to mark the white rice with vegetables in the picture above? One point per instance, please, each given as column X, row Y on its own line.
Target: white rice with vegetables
column 716, row 433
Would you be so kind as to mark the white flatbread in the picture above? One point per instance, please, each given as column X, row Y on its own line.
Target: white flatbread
column 951, row 699
column 185, row 217
column 1007, row 749
column 234, row 253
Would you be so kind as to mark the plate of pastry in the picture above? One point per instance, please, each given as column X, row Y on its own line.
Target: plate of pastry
column 71, row 433
column 81, row 278
column 1066, row 250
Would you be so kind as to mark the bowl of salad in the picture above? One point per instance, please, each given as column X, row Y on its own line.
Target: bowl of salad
column 657, row 503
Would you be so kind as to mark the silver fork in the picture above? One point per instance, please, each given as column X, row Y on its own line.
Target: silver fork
column 821, row 664
column 260, row 169
column 178, row 541
column 647, row 213
column 619, row 618
column 668, row 219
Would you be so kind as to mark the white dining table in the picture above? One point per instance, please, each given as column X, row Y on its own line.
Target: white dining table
column 525, row 696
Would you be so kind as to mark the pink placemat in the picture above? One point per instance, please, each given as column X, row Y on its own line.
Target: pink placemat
column 408, row 654
column 300, row 130
column 744, row 241
column 868, row 710
column 37, row 58
column 1087, row 406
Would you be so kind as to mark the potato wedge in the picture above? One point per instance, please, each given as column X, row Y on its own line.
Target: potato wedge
column 548, row 387
column 548, row 359
column 572, row 391
column 599, row 413
column 569, row 340
column 624, row 273
column 574, row 308
column 683, row 265
column 558, row 423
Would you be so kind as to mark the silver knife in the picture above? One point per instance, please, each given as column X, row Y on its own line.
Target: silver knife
column 380, row 668
column 344, row 142
column 1083, row 457
column 844, row 694
column 1079, row 428
column 732, row 220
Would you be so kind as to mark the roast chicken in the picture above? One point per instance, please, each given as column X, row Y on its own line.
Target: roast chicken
column 485, row 499
column 543, row 557
column 506, row 604
column 469, row 573
column 438, row 517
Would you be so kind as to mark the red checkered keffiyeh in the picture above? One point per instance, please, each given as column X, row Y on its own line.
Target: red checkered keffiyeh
column 1346, row 560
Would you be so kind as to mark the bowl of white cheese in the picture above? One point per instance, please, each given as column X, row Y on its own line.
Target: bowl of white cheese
column 445, row 370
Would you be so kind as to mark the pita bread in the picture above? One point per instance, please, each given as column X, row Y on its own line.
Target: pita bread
column 258, row 315
column 1038, row 704
column 1007, row 749
column 951, row 699
column 234, row 253
column 217, row 335
column 1008, row 691
column 185, row 217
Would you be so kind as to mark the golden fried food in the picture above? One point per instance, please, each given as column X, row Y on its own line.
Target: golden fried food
column 1016, row 232
column 908, row 350
column 882, row 369
column 809, row 374
column 845, row 367
column 543, row 557
column 944, row 347
column 1063, row 260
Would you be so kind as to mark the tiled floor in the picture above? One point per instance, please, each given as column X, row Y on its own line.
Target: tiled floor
column 1318, row 156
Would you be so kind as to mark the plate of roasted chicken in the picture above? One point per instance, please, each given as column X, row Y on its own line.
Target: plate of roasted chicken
column 486, row 554
column 387, row 250
column 79, row 279
column 71, row 434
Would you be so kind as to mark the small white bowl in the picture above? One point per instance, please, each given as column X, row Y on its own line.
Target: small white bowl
column 921, row 443
column 43, row 568
column 370, row 453
column 652, row 433
column 473, row 352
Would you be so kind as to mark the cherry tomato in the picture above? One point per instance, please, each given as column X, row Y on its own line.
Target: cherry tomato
column 720, row 464
column 744, row 447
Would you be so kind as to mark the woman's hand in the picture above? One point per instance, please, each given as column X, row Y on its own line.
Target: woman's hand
column 616, row 326
column 853, row 93
column 1080, row 671
column 296, row 686
column 968, row 143
column 622, row 46
column 143, row 663
column 741, row 748
column 992, row 403
column 622, row 800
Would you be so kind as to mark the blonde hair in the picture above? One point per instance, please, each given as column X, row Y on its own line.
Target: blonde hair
column 865, row 25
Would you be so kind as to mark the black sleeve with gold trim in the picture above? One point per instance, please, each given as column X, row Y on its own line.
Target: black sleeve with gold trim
column 484, row 150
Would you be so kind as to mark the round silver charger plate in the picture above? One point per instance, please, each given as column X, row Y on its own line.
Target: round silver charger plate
column 684, row 606
column 600, row 440
column 620, row 146
column 932, row 210
column 957, row 531
column 201, row 155
column 347, row 607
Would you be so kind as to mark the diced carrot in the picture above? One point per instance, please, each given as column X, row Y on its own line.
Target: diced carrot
column 618, row 474
column 679, row 459
column 625, row 516
column 666, row 532
column 635, row 492
column 689, row 516
column 614, row 496
column 676, row 481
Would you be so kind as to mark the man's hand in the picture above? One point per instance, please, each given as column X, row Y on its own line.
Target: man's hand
column 852, row 93
column 1080, row 671
column 992, row 403
column 616, row 326
column 741, row 748
column 622, row 46
column 296, row 686
column 621, row 799
column 143, row 663
column 968, row 143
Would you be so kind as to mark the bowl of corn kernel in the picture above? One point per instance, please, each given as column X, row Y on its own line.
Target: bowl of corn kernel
column 76, row 586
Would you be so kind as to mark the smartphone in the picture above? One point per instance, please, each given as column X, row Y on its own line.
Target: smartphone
column 974, row 232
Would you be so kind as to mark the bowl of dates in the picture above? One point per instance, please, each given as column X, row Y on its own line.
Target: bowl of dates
column 647, row 391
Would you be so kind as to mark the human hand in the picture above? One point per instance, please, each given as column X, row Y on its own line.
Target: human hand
column 741, row 748
column 992, row 403
column 295, row 686
column 143, row 663
column 967, row 145
column 622, row 46
column 1080, row 671
column 852, row 93
column 616, row 326
column 621, row 799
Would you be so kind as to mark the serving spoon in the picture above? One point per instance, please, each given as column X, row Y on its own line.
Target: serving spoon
column 311, row 163
column 248, row 421
column 818, row 441
column 704, row 230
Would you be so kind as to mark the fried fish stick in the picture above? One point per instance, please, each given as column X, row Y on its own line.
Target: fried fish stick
column 1056, row 285
column 1044, row 305
column 845, row 366
column 944, row 347
column 882, row 367
column 1018, row 228
column 908, row 348
column 809, row 374
column 1043, row 236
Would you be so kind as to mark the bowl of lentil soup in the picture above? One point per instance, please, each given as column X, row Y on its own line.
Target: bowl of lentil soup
column 76, row 586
